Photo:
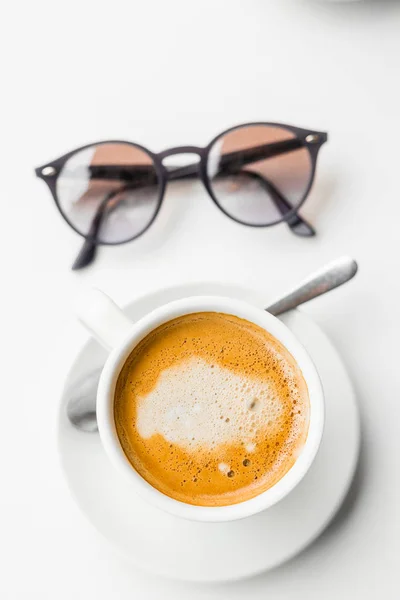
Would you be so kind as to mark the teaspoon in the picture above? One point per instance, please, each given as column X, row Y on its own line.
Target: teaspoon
column 81, row 408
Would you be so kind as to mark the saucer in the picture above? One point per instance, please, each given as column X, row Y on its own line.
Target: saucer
column 166, row 545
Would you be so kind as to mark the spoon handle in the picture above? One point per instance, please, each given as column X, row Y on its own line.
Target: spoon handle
column 328, row 278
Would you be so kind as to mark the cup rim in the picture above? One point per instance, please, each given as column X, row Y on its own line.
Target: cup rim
column 241, row 309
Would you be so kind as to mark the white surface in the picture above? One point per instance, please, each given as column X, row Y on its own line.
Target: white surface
column 170, row 307
column 179, row 72
column 208, row 552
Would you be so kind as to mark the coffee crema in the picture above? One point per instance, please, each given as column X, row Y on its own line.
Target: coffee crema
column 211, row 409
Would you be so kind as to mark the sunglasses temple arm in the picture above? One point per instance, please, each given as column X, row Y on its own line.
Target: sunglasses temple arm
column 297, row 224
column 300, row 226
column 88, row 252
column 262, row 152
column 86, row 255
column 245, row 156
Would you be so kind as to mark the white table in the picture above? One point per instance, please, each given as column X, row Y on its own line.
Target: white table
column 168, row 74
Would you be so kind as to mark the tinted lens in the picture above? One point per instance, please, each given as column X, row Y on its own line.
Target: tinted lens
column 259, row 173
column 109, row 191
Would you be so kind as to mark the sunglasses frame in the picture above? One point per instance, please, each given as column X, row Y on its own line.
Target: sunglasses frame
column 312, row 140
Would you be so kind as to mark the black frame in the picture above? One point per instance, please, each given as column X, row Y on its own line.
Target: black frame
column 310, row 139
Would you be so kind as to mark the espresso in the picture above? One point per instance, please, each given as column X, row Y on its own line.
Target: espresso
column 211, row 409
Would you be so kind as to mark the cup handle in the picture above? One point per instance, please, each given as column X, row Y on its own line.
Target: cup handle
column 102, row 318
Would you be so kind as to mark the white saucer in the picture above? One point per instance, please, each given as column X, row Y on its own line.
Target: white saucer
column 207, row 552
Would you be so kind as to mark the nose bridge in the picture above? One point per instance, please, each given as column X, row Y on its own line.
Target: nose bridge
column 181, row 150
column 182, row 169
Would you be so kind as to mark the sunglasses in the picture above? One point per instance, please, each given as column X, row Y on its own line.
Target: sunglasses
column 258, row 174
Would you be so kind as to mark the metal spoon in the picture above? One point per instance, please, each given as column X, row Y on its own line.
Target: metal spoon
column 331, row 276
column 81, row 408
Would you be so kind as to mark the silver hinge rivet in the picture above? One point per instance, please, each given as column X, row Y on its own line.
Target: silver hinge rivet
column 46, row 171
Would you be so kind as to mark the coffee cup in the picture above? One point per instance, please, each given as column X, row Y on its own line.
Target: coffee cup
column 110, row 326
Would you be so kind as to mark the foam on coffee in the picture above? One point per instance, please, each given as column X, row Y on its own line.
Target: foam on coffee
column 196, row 404
column 211, row 409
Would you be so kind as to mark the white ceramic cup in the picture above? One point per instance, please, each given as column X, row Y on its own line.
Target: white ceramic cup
column 108, row 324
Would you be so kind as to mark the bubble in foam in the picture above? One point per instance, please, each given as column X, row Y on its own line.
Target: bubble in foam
column 253, row 404
column 168, row 409
column 250, row 447
column 224, row 468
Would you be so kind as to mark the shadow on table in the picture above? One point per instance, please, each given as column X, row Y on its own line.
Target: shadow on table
column 382, row 1
column 354, row 3
column 352, row 6
column 348, row 506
